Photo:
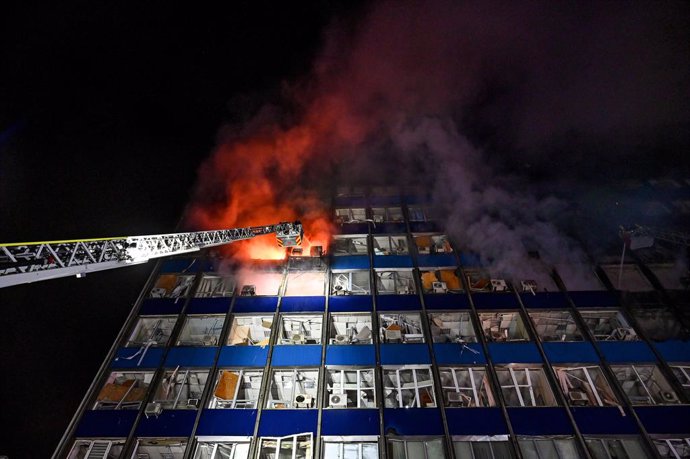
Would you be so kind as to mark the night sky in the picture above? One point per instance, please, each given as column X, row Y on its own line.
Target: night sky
column 107, row 113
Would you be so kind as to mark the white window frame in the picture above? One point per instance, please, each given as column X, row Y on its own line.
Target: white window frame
column 673, row 444
column 454, row 335
column 480, row 390
column 530, row 385
column 403, row 281
column 361, row 441
column 601, row 399
column 621, row 330
column 216, row 442
column 146, row 378
column 356, row 333
column 211, row 335
column 172, row 391
column 95, row 445
column 310, row 328
column 406, row 321
column 294, row 374
column 252, row 322
column 216, row 286
column 293, row 438
column 360, row 390
column 234, row 403
column 645, row 384
column 343, row 282
column 406, row 440
column 415, row 386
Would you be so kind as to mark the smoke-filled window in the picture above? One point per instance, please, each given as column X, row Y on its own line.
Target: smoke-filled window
column 250, row 330
column 350, row 215
column 172, row 286
column 350, row 283
column 387, row 214
column 418, row 214
column 305, row 283
column 503, row 326
column 585, row 386
column 396, row 282
column 432, row 244
column 644, row 385
column 525, row 386
column 201, row 331
column 480, row 280
column 451, row 327
column 238, row 389
column 658, row 323
column 629, row 278
column 254, row 282
column 213, row 285
column 555, row 326
column 300, row 329
column 608, row 325
column 671, row 276
column 401, row 327
column 390, row 245
column 349, row 245
column 350, row 328
column 440, row 280
column 579, row 277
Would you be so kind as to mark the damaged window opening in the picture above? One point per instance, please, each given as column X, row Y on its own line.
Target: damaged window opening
column 408, row 386
column 266, row 283
column 163, row 448
column 555, row 326
column 644, row 385
column 397, row 282
column 391, row 245
column 551, row 447
column 525, row 386
column 349, row 245
column 172, row 286
column 631, row 278
column 672, row 447
column 350, row 283
column 440, row 280
column 289, row 447
column 124, row 391
column 451, row 327
column 363, row 447
column 300, row 329
column 251, row 330
column 682, row 373
column 618, row 448
column 482, row 446
column 418, row 214
column 401, row 328
column 152, row 330
column 215, row 286
column 480, row 281
column 659, row 324
column 306, row 283
column 350, row 215
column 404, row 448
column 237, row 389
column 432, row 244
column 229, row 449
column 608, row 325
column 97, row 448
column 466, row 387
column 293, row 389
column 180, row 389
column 503, row 326
column 350, row 328
column 201, row 331
column 387, row 214
column 350, row 388
column 585, row 386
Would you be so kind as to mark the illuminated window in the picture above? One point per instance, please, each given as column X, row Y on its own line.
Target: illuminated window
column 349, row 245
column 201, row 331
column 451, row 327
column 525, row 386
column 124, row 390
column 409, row 386
column 293, row 389
column 387, row 214
column 181, row 389
column 432, row 244
column 608, row 448
column 350, row 447
column 585, row 386
column 644, row 385
column 397, row 282
column 214, row 286
column 440, row 280
column 98, row 448
column 555, row 326
column 172, row 286
column 350, row 328
column 390, row 245
column 401, row 327
column 412, row 448
column 230, row 449
column 350, row 388
column 551, row 447
column 608, row 325
column 350, row 283
column 503, row 326
column 152, row 330
column 466, row 387
column 292, row 446
column 254, row 282
column 250, row 330
column 160, row 448
column 484, row 447
column 237, row 389
column 305, row 283
column 300, row 329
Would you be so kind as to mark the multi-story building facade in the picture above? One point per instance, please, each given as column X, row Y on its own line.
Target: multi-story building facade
column 396, row 344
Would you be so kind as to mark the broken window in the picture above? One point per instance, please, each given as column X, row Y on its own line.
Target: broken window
column 350, row 215
column 482, row 446
column 250, row 330
column 254, row 282
column 350, row 447
column 160, row 448
column 403, row 327
column 659, row 324
column 440, row 280
column 237, row 389
column 432, row 244
column 172, row 286
column 682, row 373
column 222, row 450
column 550, row 447
column 349, row 245
column 616, row 448
column 391, row 245
column 555, row 326
column 466, row 387
column 503, row 326
column 579, row 277
column 404, row 448
column 608, row 325
column 152, row 330
column 418, row 214
column 644, row 385
column 293, row 389
column 300, row 329
column 350, row 388
column 585, row 386
column 630, row 278
column 397, row 282
column 180, row 389
column 124, row 390
column 350, row 328
column 215, row 285
column 672, row 447
column 201, row 331
column 451, row 327
column 289, row 447
column 671, row 276
column 525, row 386
column 387, row 214
column 350, row 283
column 306, row 283
column 478, row 280
column 98, row 448
column 409, row 386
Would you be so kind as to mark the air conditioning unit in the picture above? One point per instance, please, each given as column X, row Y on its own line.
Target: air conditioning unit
column 153, row 409
column 393, row 335
column 192, row 403
column 297, row 339
column 499, row 285
column 439, row 287
column 341, row 339
column 455, row 397
column 303, row 401
column 668, row 397
column 529, row 286
column 578, row 398
column 337, row 401
column 248, row 290
column 158, row 292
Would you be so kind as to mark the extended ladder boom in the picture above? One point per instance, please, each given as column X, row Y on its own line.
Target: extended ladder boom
column 34, row 261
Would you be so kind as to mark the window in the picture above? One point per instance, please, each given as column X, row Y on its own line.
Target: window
column 255, row 282
column 503, row 326
column 181, row 389
column 451, row 327
column 350, row 447
column 401, row 327
column 387, row 214
column 215, row 285
column 160, row 448
column 172, row 286
column 659, row 324
column 391, row 245
column 152, row 330
column 478, row 280
column 631, row 278
column 408, row 386
column 525, row 386
column 440, row 280
column 347, row 215
column 350, row 283
column 398, row 282
column 102, row 449
column 237, row 389
column 289, row 447
column 466, row 387
column 293, row 388
column 124, row 391
column 682, row 373
column 417, row 214
column 410, row 448
column 201, row 331
column 644, row 385
column 482, row 447
column 306, row 283
column 300, row 329
column 672, row 447
column 350, row 328
column 555, row 326
column 349, row 245
column 608, row 325
column 618, row 448
column 585, row 386
column 432, row 244
column 230, row 449
column 350, row 388
column 548, row 447
column 250, row 330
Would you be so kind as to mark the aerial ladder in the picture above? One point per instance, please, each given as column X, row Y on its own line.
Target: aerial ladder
column 26, row 262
